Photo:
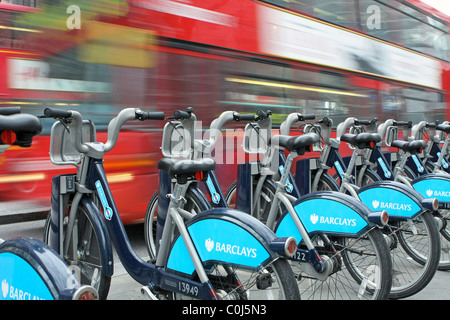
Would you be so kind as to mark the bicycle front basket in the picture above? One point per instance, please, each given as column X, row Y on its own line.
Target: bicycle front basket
column 176, row 141
column 391, row 135
column 62, row 149
column 256, row 139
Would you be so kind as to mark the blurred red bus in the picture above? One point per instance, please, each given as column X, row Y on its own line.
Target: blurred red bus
column 359, row 58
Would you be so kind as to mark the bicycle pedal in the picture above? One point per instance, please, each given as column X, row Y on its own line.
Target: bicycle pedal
column 148, row 293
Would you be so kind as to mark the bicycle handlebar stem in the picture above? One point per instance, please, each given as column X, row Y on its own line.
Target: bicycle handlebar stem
column 343, row 126
column 116, row 124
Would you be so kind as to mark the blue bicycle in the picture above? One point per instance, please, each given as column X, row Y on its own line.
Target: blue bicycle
column 415, row 255
column 336, row 259
column 29, row 269
column 217, row 254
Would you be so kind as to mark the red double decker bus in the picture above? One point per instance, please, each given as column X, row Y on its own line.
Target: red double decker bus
column 362, row 58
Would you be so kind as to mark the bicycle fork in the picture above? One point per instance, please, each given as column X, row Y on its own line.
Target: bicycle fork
column 316, row 264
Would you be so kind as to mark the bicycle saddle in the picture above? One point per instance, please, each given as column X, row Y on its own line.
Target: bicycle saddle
column 298, row 143
column 409, row 146
column 186, row 167
column 362, row 140
column 443, row 127
column 25, row 126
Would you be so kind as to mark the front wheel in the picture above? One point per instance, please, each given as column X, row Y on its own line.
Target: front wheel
column 358, row 269
column 193, row 205
column 415, row 252
column 84, row 253
column 275, row 281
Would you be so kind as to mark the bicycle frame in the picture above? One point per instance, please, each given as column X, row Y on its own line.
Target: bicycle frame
column 167, row 273
column 30, row 269
column 429, row 186
column 379, row 194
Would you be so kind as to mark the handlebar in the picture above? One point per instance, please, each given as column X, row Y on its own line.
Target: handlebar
column 57, row 113
column 325, row 121
column 207, row 145
column 7, row 111
column 262, row 115
column 416, row 131
column 113, row 127
column 366, row 122
column 292, row 118
column 245, row 117
column 407, row 124
column 181, row 115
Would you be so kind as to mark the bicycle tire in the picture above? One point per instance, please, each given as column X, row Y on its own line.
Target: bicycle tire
column 362, row 269
column 87, row 258
column 282, row 286
column 326, row 183
column 263, row 205
column 335, row 281
column 274, row 281
column 193, row 204
column 416, row 260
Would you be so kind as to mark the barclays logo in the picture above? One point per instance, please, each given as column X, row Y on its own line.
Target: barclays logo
column 390, row 205
column 435, row 193
column 314, row 218
column 230, row 249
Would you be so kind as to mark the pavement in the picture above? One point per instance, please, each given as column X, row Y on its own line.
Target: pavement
column 22, row 210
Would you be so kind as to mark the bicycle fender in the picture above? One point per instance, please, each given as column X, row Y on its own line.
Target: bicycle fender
column 223, row 235
column 103, row 235
column 31, row 270
column 326, row 212
column 434, row 185
column 400, row 201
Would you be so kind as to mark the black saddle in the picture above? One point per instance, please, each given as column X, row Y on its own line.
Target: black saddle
column 187, row 169
column 362, row 140
column 412, row 147
column 443, row 127
column 300, row 144
column 25, row 126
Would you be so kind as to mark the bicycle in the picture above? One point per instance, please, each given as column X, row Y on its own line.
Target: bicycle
column 378, row 196
column 29, row 269
column 181, row 127
column 190, row 264
column 425, row 183
column 334, row 260
column 412, row 215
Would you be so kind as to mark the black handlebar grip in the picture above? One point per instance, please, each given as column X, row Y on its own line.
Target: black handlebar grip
column 57, row 113
column 403, row 123
column 304, row 117
column 141, row 115
column 362, row 122
column 179, row 115
column 326, row 121
column 263, row 114
column 156, row 115
column 6, row 111
column 244, row 117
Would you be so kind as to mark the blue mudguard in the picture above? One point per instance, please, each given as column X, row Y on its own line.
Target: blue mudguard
column 226, row 236
column 434, row 185
column 400, row 201
column 326, row 212
column 31, row 270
